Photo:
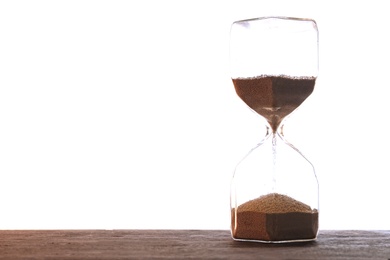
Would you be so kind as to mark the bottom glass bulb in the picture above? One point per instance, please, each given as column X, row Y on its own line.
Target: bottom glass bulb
column 274, row 194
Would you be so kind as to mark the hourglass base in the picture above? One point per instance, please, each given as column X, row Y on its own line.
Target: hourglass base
column 276, row 241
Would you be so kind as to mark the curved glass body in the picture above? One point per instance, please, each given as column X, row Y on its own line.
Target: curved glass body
column 274, row 191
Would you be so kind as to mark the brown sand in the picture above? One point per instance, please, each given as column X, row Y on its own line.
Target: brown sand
column 274, row 217
column 274, row 97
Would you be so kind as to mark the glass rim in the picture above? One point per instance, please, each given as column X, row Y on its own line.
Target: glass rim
column 278, row 18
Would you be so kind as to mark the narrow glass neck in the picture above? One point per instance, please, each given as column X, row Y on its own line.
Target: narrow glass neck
column 275, row 131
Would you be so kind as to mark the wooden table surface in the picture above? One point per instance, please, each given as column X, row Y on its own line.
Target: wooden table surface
column 185, row 244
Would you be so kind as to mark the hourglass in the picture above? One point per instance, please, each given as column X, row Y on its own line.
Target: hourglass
column 274, row 190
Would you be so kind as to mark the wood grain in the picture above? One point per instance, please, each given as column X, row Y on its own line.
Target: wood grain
column 185, row 244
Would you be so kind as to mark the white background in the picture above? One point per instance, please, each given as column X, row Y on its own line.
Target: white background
column 122, row 114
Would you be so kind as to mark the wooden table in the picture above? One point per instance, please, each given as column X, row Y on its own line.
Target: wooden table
column 185, row 244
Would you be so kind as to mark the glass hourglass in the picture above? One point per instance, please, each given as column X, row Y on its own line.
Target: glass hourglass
column 274, row 190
